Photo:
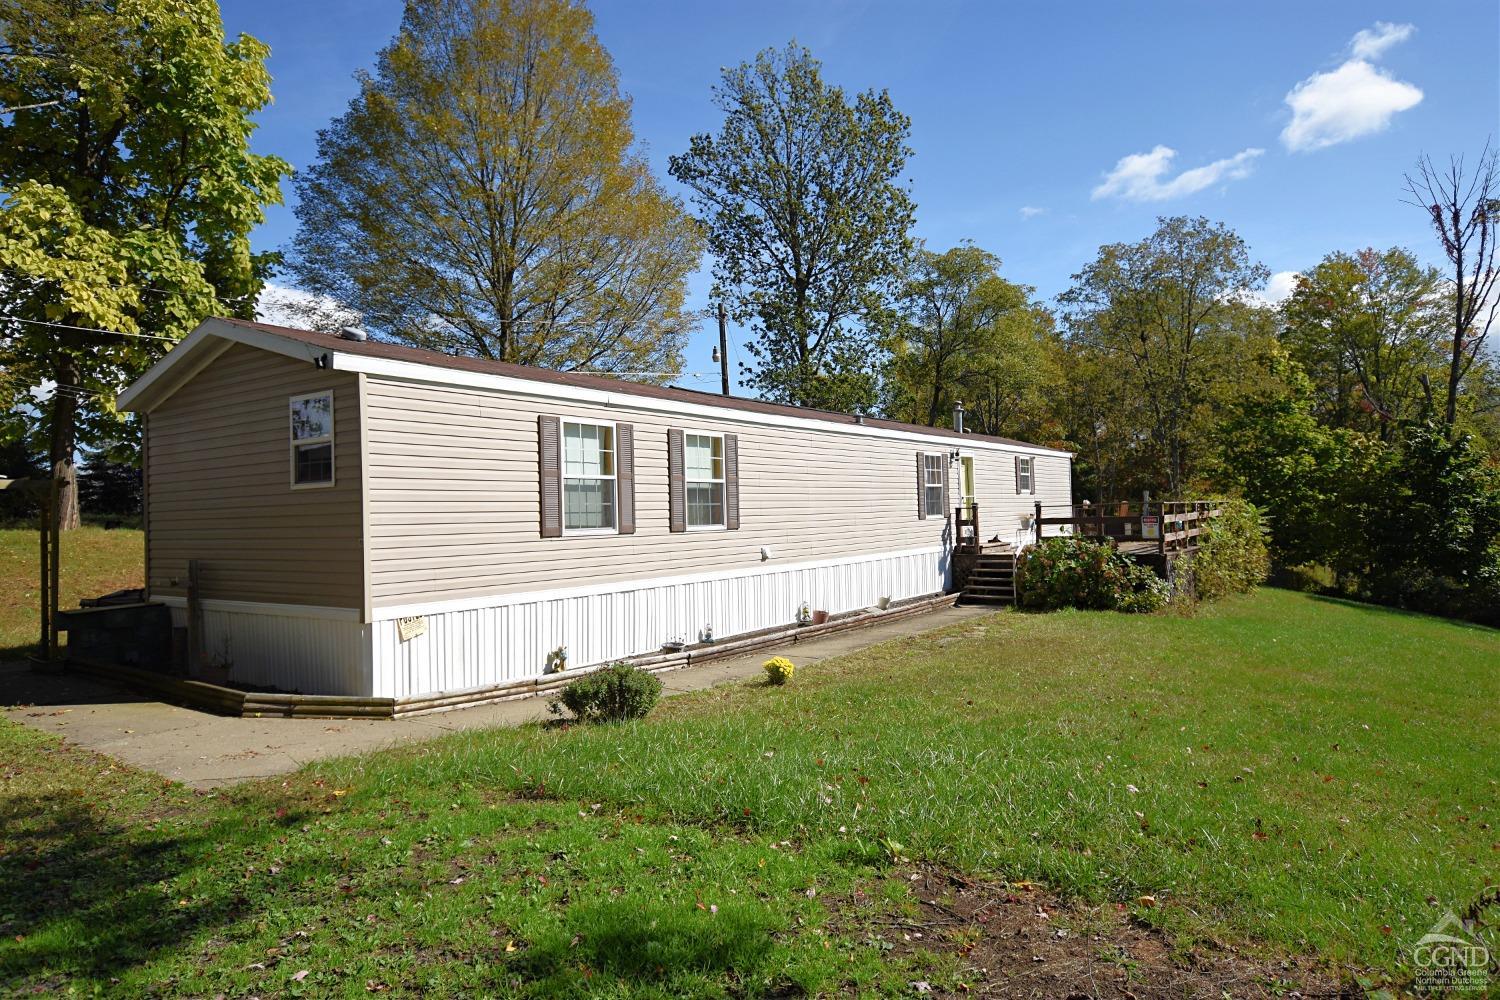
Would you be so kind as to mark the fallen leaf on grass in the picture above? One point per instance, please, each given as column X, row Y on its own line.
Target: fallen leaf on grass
column 300, row 975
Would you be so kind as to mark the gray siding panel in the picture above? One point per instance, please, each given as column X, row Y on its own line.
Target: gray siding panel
column 219, row 468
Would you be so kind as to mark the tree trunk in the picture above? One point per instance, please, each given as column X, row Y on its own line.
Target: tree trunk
column 65, row 443
column 1455, row 366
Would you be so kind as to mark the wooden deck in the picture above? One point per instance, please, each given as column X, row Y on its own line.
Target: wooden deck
column 1159, row 530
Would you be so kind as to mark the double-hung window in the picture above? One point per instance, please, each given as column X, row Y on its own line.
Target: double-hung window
column 932, row 486
column 588, row 477
column 704, row 479
column 312, row 439
column 1025, row 477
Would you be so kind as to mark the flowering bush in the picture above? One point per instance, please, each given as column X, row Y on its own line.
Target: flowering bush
column 779, row 669
column 1080, row 573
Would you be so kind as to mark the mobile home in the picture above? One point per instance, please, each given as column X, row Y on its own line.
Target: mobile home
column 372, row 520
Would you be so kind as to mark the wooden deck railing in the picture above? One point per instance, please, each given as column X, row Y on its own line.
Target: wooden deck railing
column 1168, row 527
column 966, row 528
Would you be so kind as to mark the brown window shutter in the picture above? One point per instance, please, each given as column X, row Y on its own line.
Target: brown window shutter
column 1031, row 464
column 676, row 483
column 549, row 446
column 921, row 485
column 731, row 482
column 1018, row 475
column 625, row 476
column 946, row 462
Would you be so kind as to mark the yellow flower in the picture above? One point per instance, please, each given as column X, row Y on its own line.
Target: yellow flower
column 779, row 669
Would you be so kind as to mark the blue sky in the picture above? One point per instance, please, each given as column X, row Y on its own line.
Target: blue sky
column 1040, row 130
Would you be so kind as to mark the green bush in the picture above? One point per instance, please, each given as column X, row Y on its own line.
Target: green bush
column 1079, row 573
column 1233, row 558
column 614, row 693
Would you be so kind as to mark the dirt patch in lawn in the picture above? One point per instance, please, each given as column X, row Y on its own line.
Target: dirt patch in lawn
column 1018, row 940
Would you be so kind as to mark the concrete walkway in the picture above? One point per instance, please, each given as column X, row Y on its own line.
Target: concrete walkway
column 206, row 751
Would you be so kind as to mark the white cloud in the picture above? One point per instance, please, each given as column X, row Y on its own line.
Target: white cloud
column 1278, row 288
column 1354, row 100
column 1031, row 211
column 1142, row 176
column 1371, row 43
column 282, row 305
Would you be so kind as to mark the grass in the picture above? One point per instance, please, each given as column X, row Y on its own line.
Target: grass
column 1284, row 772
column 94, row 561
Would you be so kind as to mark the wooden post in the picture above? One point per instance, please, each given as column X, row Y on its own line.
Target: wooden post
column 194, row 621
column 54, row 546
column 723, row 349
column 1037, row 524
column 44, row 577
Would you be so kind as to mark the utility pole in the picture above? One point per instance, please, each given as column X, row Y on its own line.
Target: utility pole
column 723, row 348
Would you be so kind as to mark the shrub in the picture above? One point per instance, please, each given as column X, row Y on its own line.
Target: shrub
column 779, row 669
column 1080, row 573
column 615, row 693
column 1233, row 558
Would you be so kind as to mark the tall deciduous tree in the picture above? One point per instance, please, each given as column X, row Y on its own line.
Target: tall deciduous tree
column 807, row 221
column 1169, row 310
column 1368, row 328
column 127, row 195
column 480, row 196
column 1464, row 209
column 958, row 331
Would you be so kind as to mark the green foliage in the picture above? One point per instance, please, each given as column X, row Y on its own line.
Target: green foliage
column 616, row 693
column 1303, row 476
column 127, row 196
column 481, row 196
column 1167, row 317
column 1433, row 530
column 1233, row 557
column 1368, row 328
column 1071, row 572
column 959, row 331
column 807, row 221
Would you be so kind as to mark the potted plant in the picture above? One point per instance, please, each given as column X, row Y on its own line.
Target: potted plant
column 804, row 614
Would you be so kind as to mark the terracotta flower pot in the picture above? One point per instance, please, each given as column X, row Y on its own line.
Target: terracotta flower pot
column 819, row 617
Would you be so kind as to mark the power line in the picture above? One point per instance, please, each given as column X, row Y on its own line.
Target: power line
column 89, row 329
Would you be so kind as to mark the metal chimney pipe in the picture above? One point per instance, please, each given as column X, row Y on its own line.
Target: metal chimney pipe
column 958, row 416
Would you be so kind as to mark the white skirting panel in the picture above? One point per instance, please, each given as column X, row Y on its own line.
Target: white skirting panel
column 471, row 646
column 296, row 650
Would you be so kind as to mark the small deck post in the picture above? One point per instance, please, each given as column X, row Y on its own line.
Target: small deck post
column 1037, row 522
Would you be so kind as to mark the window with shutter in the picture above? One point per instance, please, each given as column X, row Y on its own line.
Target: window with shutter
column 935, row 485
column 732, row 482
column 625, row 476
column 549, row 448
column 588, row 477
column 1025, row 479
column 676, row 484
column 703, row 469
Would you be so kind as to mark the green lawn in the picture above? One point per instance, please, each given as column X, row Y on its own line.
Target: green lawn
column 94, row 561
column 1285, row 774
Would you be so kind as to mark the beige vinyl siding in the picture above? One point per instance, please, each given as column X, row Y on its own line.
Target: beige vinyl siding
column 454, row 507
column 219, row 467
column 1001, row 507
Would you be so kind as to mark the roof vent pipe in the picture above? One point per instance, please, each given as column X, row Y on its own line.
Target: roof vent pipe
column 354, row 333
column 958, row 416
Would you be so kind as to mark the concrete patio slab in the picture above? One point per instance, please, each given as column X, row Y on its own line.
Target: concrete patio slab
column 206, row 751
